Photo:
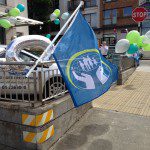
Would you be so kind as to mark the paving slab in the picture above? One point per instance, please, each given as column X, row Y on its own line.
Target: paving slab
column 132, row 97
column 107, row 130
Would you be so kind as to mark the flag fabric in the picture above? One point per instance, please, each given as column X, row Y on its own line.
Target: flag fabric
column 86, row 72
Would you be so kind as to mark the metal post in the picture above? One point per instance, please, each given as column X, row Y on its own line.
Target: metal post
column 35, row 87
column 40, row 86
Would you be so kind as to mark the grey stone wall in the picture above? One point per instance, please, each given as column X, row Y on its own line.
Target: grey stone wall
column 13, row 129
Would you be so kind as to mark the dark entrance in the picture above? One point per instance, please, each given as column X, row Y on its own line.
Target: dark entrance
column 2, row 36
column 110, row 39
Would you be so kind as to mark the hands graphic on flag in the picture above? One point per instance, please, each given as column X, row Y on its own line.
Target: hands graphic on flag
column 87, row 79
column 88, row 70
column 101, row 76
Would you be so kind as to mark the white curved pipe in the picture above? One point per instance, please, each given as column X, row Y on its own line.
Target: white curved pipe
column 17, row 45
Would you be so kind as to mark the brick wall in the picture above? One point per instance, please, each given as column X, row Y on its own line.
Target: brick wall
column 119, row 5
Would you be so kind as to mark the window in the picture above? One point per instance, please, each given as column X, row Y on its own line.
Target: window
column 91, row 19
column 72, row 5
column 145, row 26
column 88, row 18
column 3, row 2
column 90, row 3
column 109, row 0
column 127, row 11
column 146, row 23
column 55, row 4
column 110, row 17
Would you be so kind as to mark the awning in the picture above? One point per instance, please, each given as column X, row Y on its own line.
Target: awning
column 108, row 35
column 20, row 21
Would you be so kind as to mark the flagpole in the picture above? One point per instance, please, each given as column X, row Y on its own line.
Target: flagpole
column 56, row 37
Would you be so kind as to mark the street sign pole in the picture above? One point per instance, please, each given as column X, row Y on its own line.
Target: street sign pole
column 139, row 23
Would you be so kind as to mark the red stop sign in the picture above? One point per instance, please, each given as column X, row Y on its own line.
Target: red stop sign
column 139, row 14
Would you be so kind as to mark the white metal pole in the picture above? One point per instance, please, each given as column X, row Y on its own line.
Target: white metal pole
column 139, row 24
column 56, row 37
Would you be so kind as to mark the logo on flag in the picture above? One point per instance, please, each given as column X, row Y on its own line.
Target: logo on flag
column 84, row 67
column 85, row 71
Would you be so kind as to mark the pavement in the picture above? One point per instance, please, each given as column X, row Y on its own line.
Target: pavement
column 119, row 120
column 107, row 130
column 132, row 97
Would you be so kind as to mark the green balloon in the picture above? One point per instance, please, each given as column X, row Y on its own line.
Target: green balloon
column 14, row 12
column 140, row 42
column 132, row 49
column 133, row 37
column 146, row 47
column 5, row 23
column 57, row 12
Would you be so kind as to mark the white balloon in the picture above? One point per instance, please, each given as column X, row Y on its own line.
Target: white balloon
column 65, row 15
column 146, row 40
column 53, row 17
column 122, row 46
column 148, row 34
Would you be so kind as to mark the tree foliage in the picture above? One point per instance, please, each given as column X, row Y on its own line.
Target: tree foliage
column 41, row 10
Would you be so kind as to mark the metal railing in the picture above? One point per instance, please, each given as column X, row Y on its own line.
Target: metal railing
column 45, row 82
column 123, row 62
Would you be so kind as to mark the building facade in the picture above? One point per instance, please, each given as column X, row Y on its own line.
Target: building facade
column 145, row 25
column 110, row 19
column 7, row 34
column 116, row 19
column 90, row 10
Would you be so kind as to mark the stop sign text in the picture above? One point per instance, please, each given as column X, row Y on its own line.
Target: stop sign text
column 139, row 14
